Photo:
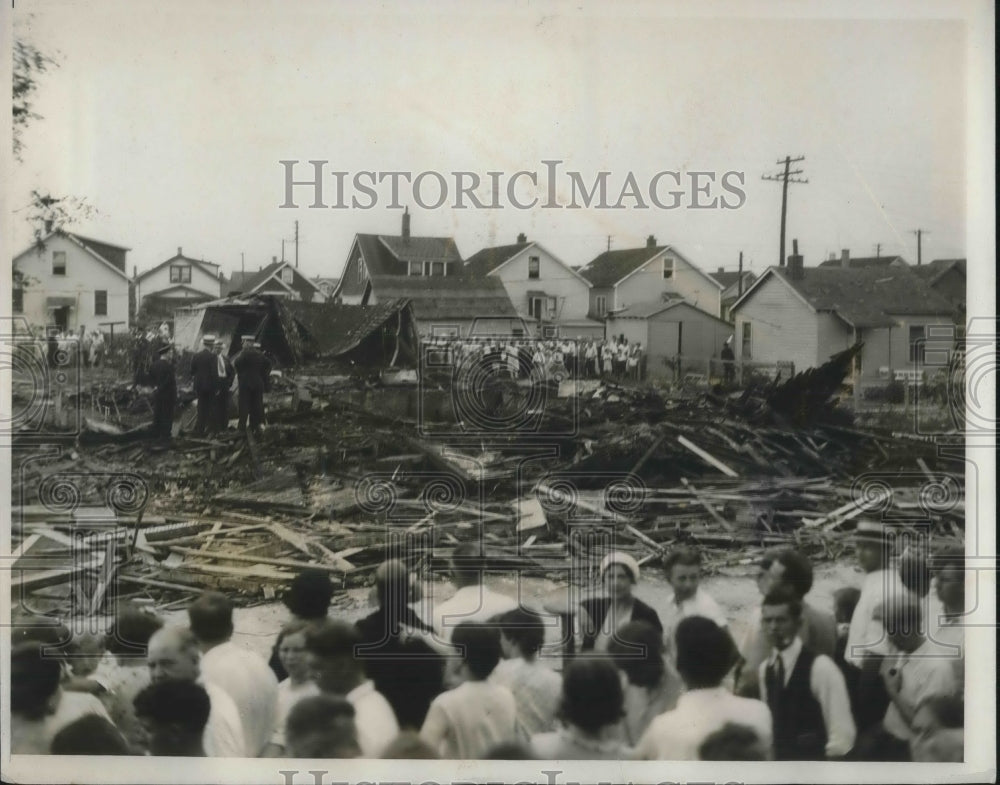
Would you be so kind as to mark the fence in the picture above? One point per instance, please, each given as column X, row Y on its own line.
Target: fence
column 701, row 371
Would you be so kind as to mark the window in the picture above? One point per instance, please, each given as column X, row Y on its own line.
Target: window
column 535, row 307
column 745, row 352
column 416, row 268
column 59, row 263
column 668, row 268
column 550, row 332
column 17, row 300
column 180, row 273
column 361, row 270
column 552, row 306
column 287, row 275
column 601, row 304
column 427, row 268
column 101, row 302
column 437, row 268
column 917, row 342
column 533, row 267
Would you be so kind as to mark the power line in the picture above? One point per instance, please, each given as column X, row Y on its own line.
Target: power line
column 785, row 178
column 920, row 234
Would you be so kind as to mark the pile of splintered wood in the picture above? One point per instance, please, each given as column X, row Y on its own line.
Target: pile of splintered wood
column 336, row 488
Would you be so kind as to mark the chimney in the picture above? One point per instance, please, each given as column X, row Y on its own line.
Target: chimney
column 180, row 251
column 274, row 260
column 651, row 241
column 406, row 224
column 522, row 238
column 795, row 271
column 48, row 226
column 721, row 270
column 845, row 258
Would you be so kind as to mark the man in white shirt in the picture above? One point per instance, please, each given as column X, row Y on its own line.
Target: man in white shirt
column 805, row 690
column 337, row 671
column 705, row 653
column 917, row 673
column 173, row 654
column 867, row 644
column 473, row 601
column 244, row 675
column 683, row 569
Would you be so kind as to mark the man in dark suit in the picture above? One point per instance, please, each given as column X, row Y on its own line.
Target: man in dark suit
column 204, row 377
column 164, row 380
column 224, row 375
column 252, row 372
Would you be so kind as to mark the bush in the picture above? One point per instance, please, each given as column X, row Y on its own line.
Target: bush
column 893, row 392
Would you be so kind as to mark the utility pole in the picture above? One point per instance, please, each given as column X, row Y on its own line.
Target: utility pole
column 878, row 250
column 739, row 288
column 785, row 178
column 282, row 250
column 920, row 234
column 609, row 243
column 296, row 245
column 243, row 269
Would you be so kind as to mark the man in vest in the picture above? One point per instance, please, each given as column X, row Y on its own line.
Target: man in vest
column 805, row 691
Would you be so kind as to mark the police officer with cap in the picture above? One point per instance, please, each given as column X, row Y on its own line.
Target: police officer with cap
column 164, row 379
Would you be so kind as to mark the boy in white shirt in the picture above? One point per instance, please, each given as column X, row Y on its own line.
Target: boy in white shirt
column 468, row 721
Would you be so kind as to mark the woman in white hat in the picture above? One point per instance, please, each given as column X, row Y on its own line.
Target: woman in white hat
column 602, row 615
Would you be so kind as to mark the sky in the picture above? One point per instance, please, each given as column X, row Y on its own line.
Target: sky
column 171, row 120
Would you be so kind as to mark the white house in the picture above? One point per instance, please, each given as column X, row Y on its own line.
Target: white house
column 804, row 315
column 179, row 281
column 70, row 281
column 676, row 337
column 544, row 289
column 280, row 279
column 655, row 273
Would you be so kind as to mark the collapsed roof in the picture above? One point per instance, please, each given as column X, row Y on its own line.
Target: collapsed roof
column 297, row 332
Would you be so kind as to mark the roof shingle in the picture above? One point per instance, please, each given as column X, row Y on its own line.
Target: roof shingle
column 867, row 296
column 611, row 266
column 488, row 259
column 448, row 297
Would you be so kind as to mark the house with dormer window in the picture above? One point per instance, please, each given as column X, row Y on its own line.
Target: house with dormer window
column 383, row 256
column 177, row 282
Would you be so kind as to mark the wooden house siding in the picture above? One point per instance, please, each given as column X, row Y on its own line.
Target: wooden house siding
column 783, row 327
column 351, row 288
column 647, row 285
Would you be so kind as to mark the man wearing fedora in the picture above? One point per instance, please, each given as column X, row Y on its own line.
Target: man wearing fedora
column 867, row 642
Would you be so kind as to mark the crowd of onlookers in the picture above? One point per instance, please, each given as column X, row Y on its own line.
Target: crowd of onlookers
column 877, row 677
column 541, row 360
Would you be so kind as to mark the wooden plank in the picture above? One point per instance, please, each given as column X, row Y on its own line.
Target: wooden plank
column 707, row 457
column 296, row 540
column 292, row 563
column 104, row 579
column 657, row 547
column 216, row 528
column 704, row 503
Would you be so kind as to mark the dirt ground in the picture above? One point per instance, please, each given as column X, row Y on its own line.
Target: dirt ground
column 736, row 591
